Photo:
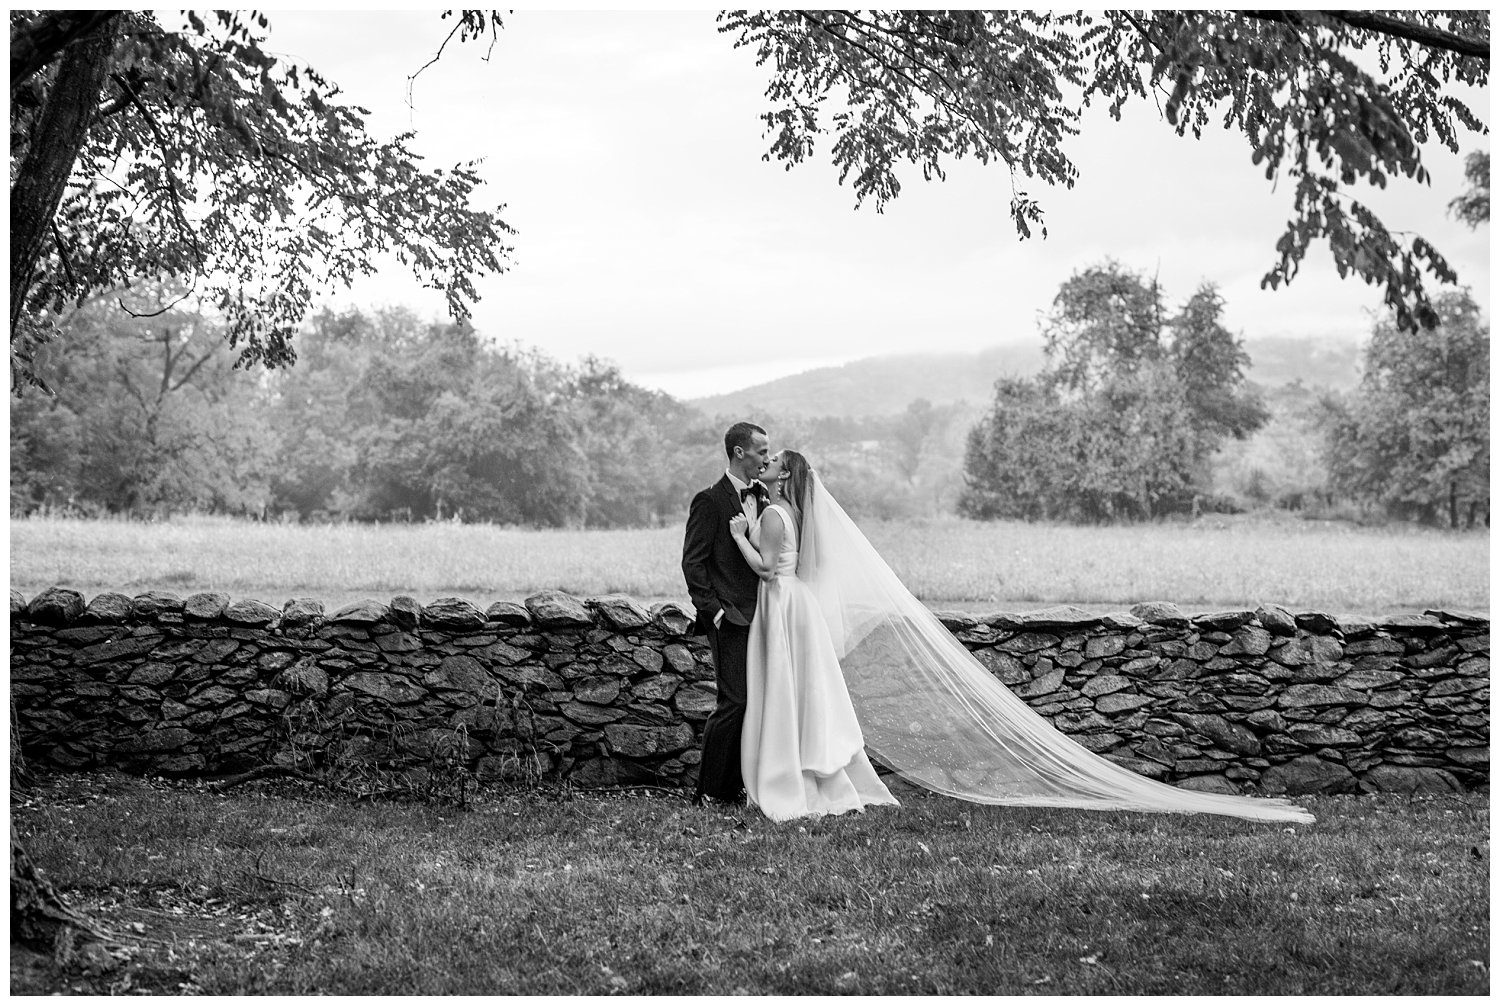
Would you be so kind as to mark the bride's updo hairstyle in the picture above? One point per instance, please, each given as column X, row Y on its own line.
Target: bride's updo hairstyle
column 799, row 478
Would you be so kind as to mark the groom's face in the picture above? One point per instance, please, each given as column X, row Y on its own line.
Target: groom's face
column 754, row 461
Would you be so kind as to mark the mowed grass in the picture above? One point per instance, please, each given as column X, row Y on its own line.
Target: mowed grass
column 1213, row 562
column 592, row 893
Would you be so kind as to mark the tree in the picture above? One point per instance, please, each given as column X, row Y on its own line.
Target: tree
column 1415, row 437
column 148, row 418
column 1122, row 421
column 143, row 152
column 1473, row 207
column 926, row 88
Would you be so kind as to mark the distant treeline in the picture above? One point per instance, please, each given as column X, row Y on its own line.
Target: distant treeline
column 1138, row 413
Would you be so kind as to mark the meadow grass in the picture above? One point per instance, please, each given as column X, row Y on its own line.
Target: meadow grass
column 286, row 891
column 1212, row 562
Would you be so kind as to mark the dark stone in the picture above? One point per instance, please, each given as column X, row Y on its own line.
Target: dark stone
column 582, row 712
column 1409, row 779
column 600, row 691
column 1139, row 766
column 1160, row 613
column 1248, row 640
column 1103, row 646
column 1307, row 774
column 510, row 614
column 115, row 649
column 109, row 608
column 1317, row 735
column 504, row 653
column 1105, row 684
column 250, row 612
column 156, row 603
column 1376, row 644
column 1229, row 736
column 149, row 741
column 56, row 606
column 554, row 609
column 1118, row 702
column 405, row 611
column 672, row 618
column 1470, row 757
column 696, row 700
column 301, row 611
column 151, row 674
column 392, row 688
column 398, row 642
column 1300, row 696
column 620, row 612
column 1120, row 620
column 1276, row 620
column 1223, row 621
column 1316, row 622
column 1412, row 623
column 1029, row 642
column 1047, row 683
column 1267, row 721
column 453, row 613
column 956, row 621
column 1420, row 737
column 85, row 634
column 206, row 606
column 365, row 612
column 1062, row 616
column 637, row 741
column 271, row 697
column 461, row 673
column 1007, row 668
column 17, row 603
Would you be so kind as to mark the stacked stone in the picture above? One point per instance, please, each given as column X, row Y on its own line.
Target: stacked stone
column 602, row 691
column 1261, row 700
column 598, row 692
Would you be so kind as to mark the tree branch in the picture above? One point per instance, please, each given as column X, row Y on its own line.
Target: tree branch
column 45, row 38
column 166, row 160
column 1384, row 24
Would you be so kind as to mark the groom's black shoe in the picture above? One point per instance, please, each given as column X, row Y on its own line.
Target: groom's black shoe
column 719, row 803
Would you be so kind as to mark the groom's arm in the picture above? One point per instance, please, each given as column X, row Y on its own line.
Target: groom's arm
column 697, row 546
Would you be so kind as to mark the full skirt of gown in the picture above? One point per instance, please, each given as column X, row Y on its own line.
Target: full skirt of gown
column 801, row 750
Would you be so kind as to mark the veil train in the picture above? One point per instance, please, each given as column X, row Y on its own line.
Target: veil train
column 935, row 715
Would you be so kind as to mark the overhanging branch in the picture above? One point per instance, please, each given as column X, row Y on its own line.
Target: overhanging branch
column 1385, row 24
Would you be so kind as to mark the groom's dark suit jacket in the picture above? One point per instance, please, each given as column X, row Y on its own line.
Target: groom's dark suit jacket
column 718, row 578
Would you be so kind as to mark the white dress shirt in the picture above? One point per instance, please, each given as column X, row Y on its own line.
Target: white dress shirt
column 752, row 513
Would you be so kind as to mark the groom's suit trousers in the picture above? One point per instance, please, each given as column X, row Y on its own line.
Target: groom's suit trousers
column 719, row 772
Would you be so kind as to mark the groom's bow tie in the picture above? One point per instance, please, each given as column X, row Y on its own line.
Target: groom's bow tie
column 754, row 490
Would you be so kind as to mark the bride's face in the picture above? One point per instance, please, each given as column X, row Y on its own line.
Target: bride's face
column 772, row 471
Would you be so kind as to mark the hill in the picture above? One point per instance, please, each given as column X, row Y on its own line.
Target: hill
column 881, row 385
column 885, row 385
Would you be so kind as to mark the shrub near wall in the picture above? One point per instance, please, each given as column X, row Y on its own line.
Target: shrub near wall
column 601, row 691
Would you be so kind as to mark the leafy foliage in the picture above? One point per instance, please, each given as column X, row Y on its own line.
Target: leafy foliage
column 207, row 158
column 1473, row 207
column 1124, row 419
column 1415, row 438
column 149, row 418
column 924, row 88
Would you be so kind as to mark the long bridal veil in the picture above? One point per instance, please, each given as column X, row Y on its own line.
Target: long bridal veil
column 935, row 715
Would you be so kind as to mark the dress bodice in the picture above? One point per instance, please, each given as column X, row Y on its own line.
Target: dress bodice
column 786, row 559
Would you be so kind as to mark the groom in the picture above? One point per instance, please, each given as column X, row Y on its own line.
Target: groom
column 723, row 589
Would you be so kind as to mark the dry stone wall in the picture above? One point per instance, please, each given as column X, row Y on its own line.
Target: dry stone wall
column 602, row 691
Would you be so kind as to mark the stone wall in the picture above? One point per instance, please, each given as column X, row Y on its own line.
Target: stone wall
column 602, row 691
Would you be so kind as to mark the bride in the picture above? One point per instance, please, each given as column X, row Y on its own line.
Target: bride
column 843, row 659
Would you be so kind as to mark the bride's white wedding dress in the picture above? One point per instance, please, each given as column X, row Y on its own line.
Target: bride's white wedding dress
column 801, row 750
column 837, row 636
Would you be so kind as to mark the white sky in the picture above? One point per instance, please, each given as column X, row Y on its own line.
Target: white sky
column 627, row 148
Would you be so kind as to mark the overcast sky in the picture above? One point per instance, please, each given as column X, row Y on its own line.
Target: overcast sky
column 627, row 148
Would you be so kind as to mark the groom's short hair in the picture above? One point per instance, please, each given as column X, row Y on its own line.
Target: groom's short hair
column 740, row 435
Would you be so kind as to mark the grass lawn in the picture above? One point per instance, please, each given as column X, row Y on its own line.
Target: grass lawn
column 282, row 889
column 1214, row 562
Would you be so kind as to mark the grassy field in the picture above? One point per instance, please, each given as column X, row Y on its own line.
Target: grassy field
column 1213, row 562
column 530, row 893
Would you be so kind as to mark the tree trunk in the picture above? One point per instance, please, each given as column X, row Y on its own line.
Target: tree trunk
column 57, row 137
column 1453, row 506
column 41, row 920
